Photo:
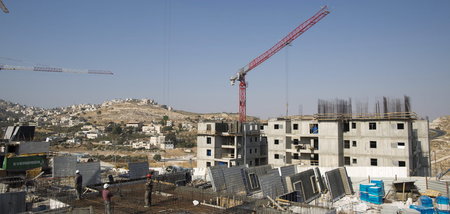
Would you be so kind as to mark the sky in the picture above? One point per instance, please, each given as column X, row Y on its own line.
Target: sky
column 183, row 52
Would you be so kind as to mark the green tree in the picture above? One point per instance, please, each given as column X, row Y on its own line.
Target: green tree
column 117, row 130
column 157, row 157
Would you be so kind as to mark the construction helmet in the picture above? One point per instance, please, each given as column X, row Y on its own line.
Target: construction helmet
column 106, row 186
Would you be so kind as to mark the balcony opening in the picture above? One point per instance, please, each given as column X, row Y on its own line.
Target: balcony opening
column 314, row 128
column 346, row 127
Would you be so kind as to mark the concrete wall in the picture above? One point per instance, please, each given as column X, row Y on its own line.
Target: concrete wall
column 330, row 144
column 386, row 135
column 386, row 172
column 331, row 136
column 421, row 148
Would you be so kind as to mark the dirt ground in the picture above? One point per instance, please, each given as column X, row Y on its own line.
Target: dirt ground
column 440, row 145
column 130, row 199
column 171, row 155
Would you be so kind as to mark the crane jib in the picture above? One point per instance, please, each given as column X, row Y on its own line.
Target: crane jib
column 289, row 38
column 47, row 69
column 267, row 54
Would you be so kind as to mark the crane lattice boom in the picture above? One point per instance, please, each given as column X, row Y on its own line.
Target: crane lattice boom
column 266, row 55
column 52, row 69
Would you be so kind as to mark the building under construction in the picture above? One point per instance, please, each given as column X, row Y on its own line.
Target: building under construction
column 393, row 136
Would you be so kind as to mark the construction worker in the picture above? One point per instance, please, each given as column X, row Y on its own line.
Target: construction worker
column 107, row 195
column 78, row 183
column 148, row 190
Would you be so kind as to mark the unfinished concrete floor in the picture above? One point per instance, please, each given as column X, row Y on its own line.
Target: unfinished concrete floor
column 130, row 199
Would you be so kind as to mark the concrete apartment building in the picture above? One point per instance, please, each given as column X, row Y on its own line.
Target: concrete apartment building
column 373, row 140
column 221, row 143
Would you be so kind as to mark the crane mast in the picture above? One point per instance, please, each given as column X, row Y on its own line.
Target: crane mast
column 240, row 76
column 52, row 69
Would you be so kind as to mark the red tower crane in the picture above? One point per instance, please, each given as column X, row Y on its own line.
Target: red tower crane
column 266, row 55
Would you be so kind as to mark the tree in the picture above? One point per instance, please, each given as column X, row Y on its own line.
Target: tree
column 117, row 129
column 157, row 157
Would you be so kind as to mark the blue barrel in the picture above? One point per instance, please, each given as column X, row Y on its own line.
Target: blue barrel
column 378, row 183
column 375, row 191
column 364, row 187
column 363, row 196
column 442, row 203
column 426, row 201
column 442, row 200
column 375, row 199
column 422, row 209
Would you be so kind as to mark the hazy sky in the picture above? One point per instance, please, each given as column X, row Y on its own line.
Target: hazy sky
column 183, row 52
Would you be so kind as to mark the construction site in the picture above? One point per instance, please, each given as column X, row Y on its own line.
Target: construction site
column 344, row 158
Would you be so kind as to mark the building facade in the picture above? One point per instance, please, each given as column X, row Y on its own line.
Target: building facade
column 230, row 144
column 364, row 141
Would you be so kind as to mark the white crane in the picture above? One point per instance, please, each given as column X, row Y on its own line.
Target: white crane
column 3, row 7
column 52, row 69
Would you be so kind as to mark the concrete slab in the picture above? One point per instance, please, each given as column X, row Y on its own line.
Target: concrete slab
column 322, row 186
column 234, row 179
column 252, row 174
column 217, row 178
column 63, row 166
column 286, row 171
column 33, row 147
column 305, row 183
column 90, row 172
column 138, row 169
column 12, row 202
column 271, row 184
column 335, row 184
column 346, row 181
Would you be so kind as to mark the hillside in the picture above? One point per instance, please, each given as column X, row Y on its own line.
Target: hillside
column 118, row 111
column 132, row 112
column 440, row 145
